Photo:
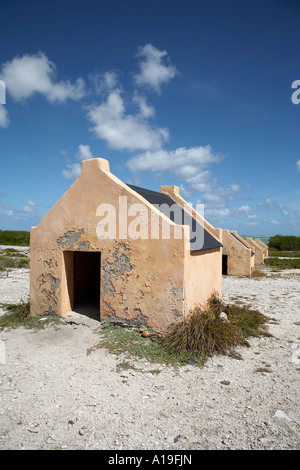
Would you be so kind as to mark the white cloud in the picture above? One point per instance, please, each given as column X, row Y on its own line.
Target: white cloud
column 283, row 209
column 190, row 165
column 10, row 213
column 267, row 204
column 104, row 81
column 84, row 152
column 146, row 111
column 234, row 187
column 124, row 131
column 220, row 213
column 4, row 121
column 31, row 203
column 27, row 208
column 298, row 165
column 153, row 71
column 274, row 222
column 30, row 206
column 73, row 171
column 276, row 207
column 245, row 212
column 30, row 74
column 182, row 161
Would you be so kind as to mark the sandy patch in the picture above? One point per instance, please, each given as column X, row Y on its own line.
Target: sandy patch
column 55, row 396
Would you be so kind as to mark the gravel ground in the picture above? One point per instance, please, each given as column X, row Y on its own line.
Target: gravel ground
column 55, row 396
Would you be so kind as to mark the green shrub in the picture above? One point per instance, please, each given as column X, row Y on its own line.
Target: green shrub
column 285, row 243
column 14, row 237
column 283, row 263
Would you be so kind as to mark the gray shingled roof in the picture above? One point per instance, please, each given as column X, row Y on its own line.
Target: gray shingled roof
column 200, row 239
column 233, row 234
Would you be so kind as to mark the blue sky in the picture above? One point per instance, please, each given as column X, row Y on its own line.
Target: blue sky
column 194, row 93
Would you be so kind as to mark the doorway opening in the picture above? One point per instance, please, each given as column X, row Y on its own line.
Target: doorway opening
column 225, row 265
column 83, row 282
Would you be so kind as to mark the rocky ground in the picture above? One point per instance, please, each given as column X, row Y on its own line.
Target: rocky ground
column 56, row 396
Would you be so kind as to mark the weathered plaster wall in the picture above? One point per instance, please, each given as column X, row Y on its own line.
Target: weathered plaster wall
column 203, row 269
column 263, row 246
column 240, row 261
column 142, row 281
column 202, row 276
column 259, row 252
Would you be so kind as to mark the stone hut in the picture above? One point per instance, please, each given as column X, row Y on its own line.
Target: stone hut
column 122, row 253
column 263, row 246
column 238, row 258
column 258, row 249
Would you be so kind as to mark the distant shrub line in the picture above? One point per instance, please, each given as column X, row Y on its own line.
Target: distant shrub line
column 14, row 237
column 285, row 243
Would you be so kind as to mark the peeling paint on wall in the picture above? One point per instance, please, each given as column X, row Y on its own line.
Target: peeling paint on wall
column 84, row 245
column 55, row 282
column 70, row 238
column 138, row 322
column 51, row 285
column 116, row 268
column 178, row 293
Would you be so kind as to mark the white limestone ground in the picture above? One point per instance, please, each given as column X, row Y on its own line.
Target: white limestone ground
column 55, row 396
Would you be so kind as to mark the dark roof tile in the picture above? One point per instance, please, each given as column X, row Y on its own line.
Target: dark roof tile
column 200, row 239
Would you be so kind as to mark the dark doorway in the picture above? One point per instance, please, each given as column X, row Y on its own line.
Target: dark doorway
column 86, row 278
column 225, row 264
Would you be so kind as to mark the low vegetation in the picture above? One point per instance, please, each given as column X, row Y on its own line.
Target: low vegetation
column 129, row 342
column 283, row 263
column 284, row 254
column 208, row 331
column 11, row 258
column 257, row 273
column 213, row 329
column 284, row 243
column 18, row 315
column 14, row 237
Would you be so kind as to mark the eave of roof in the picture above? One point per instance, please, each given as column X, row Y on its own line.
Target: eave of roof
column 233, row 234
column 200, row 239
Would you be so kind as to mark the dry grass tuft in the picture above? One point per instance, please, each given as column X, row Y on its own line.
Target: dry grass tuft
column 206, row 332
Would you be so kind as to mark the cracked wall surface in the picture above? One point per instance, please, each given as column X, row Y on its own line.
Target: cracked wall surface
column 142, row 280
column 239, row 262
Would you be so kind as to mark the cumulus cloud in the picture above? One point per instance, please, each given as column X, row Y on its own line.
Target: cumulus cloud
column 72, row 171
column 30, row 74
column 84, row 152
column 269, row 204
column 245, row 212
column 30, row 206
column 190, row 165
column 31, row 203
column 274, row 222
column 105, row 81
column 4, row 121
column 124, row 131
column 9, row 213
column 182, row 161
column 155, row 68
